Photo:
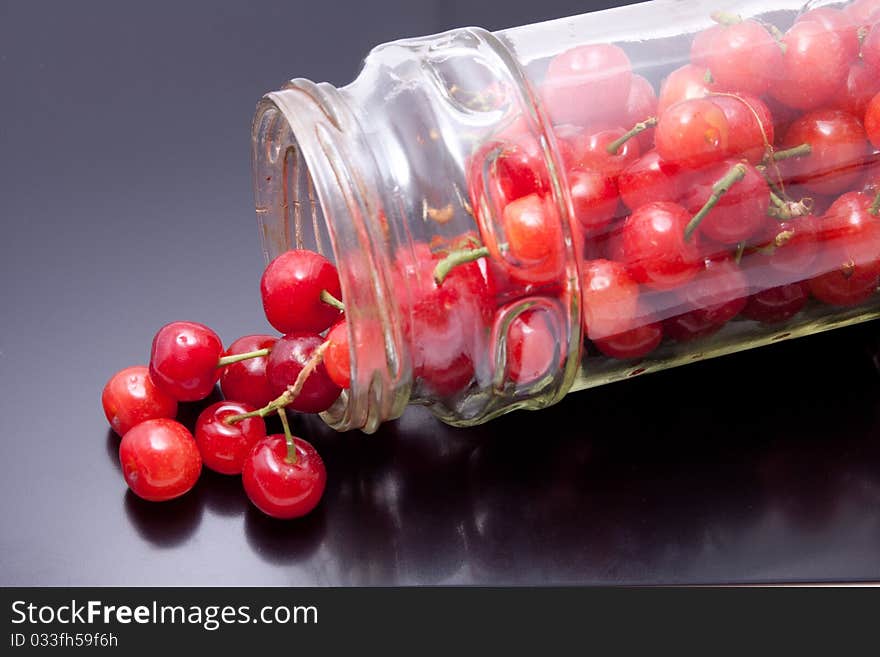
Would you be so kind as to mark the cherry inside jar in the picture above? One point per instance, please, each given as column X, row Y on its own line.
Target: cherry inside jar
column 520, row 214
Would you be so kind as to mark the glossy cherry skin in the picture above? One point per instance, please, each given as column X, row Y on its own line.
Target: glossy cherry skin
column 514, row 164
column 777, row 304
column 814, row 66
column 246, row 381
column 130, row 397
column 288, row 357
column 291, row 289
column 534, row 238
column 183, row 361
column 740, row 213
column 588, row 150
column 839, row 22
column 654, row 248
column 712, row 298
column 692, row 134
column 281, row 489
column 160, row 460
column 685, row 83
column 337, row 358
column 861, row 86
column 750, row 126
column 633, row 343
column 790, row 255
column 650, row 178
column 223, row 446
column 531, row 345
column 641, row 104
column 610, row 298
column 863, row 12
column 871, row 48
column 872, row 121
column 587, row 83
column 740, row 57
column 839, row 148
column 594, row 199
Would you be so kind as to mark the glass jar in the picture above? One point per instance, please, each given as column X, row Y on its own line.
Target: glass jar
column 520, row 214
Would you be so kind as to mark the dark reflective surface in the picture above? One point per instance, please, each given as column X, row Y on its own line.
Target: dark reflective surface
column 126, row 203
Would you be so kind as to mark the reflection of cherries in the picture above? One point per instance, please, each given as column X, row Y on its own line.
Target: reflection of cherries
column 531, row 344
column 692, row 134
column 741, row 57
column 610, row 298
column 634, row 343
column 777, row 304
column 650, row 178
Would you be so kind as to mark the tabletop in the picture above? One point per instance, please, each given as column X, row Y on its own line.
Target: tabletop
column 125, row 203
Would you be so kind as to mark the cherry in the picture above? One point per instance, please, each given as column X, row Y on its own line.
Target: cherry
column 861, row 85
column 634, row 343
column 184, row 360
column 590, row 150
column 845, row 286
column 641, row 103
column 531, row 345
column 288, row 358
column 872, row 120
column 777, row 304
column 130, row 397
column 685, row 83
column 282, row 487
column 871, row 48
column 814, row 66
column 515, row 166
column 160, row 460
column 740, row 56
column 750, row 125
column 791, row 253
column 610, row 298
column 692, row 134
column 740, row 212
column 839, row 22
column 246, row 381
column 578, row 77
column 838, row 148
column 650, row 178
column 714, row 297
column 864, row 12
column 337, row 359
column 534, row 238
column 594, row 199
column 225, row 446
column 292, row 287
column 654, row 248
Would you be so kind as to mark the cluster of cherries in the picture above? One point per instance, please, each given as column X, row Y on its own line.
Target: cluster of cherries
column 283, row 475
column 747, row 186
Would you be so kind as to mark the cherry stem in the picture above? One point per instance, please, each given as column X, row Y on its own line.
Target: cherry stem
column 330, row 300
column 740, row 250
column 456, row 258
column 875, row 206
column 719, row 189
column 637, row 129
column 797, row 151
column 288, row 438
column 236, row 358
column 292, row 392
column 725, row 18
column 783, row 209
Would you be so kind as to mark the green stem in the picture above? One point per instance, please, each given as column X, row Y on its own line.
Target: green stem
column 288, row 438
column 726, row 18
column 330, row 300
column 719, row 189
column 236, row 358
column 637, row 129
column 456, row 258
column 875, row 206
column 740, row 249
column 797, row 151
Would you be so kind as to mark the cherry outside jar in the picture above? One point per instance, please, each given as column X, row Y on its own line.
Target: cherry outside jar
column 520, row 214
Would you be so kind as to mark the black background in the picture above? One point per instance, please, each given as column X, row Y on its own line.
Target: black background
column 125, row 203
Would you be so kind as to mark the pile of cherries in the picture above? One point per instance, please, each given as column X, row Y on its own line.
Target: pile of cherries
column 283, row 475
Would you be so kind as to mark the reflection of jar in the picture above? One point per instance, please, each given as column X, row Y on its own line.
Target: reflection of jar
column 568, row 256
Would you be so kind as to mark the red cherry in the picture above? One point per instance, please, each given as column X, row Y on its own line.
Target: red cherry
column 281, row 489
column 863, row 12
column 246, row 381
column 871, row 48
column 534, row 238
column 861, row 85
column 777, row 304
column 632, row 344
column 514, row 164
column 740, row 57
column 640, row 105
column 184, row 358
column 337, row 358
column 224, row 446
column 839, row 22
column 130, row 397
column 790, row 255
column 160, row 460
column 845, row 286
column 594, row 198
column 589, row 150
column 654, row 248
column 531, row 345
column 740, row 213
column 839, row 147
column 714, row 297
column 814, row 66
column 287, row 360
column 291, row 289
column 750, row 126
column 692, row 134
column 650, row 178
column 610, row 298
column 685, row 83
column 872, row 120
column 576, row 78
